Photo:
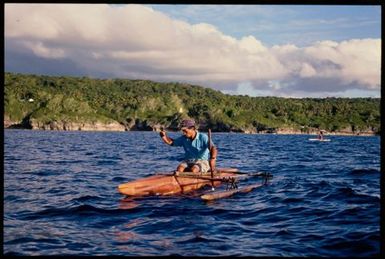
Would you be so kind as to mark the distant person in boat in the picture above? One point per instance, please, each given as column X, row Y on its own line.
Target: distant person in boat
column 198, row 156
column 321, row 135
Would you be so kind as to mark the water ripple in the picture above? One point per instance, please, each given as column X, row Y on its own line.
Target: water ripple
column 60, row 197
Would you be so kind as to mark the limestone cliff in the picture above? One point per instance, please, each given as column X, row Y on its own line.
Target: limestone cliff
column 152, row 126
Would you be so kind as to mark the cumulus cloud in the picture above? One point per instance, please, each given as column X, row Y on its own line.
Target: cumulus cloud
column 134, row 41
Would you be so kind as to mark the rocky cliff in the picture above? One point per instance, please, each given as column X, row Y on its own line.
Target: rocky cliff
column 149, row 126
column 83, row 126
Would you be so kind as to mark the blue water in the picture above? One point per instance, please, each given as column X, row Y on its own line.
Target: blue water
column 60, row 197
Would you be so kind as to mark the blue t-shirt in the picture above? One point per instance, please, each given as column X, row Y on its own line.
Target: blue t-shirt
column 198, row 148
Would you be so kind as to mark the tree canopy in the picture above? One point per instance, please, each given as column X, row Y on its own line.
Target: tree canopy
column 76, row 99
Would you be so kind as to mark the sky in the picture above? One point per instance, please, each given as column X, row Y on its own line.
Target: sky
column 256, row 50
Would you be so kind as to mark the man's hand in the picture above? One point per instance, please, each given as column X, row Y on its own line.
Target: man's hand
column 165, row 138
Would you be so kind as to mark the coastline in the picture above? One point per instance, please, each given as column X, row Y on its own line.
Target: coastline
column 117, row 127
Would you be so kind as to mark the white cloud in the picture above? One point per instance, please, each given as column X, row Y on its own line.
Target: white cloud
column 354, row 61
column 39, row 49
column 134, row 41
column 307, row 70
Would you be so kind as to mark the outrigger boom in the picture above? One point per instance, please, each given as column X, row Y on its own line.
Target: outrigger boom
column 223, row 179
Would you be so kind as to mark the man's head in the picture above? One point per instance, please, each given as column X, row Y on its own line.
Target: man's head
column 188, row 127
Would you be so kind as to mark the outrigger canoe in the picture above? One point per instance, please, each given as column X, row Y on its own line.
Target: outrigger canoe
column 172, row 184
column 178, row 183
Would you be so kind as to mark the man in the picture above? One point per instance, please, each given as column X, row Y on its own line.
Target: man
column 196, row 146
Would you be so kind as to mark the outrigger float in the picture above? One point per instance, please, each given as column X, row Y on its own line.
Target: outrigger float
column 181, row 183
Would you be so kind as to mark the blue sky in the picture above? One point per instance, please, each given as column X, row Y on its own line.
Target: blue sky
column 256, row 50
column 282, row 24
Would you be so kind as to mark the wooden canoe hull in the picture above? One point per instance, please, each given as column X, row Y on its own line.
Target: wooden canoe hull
column 170, row 184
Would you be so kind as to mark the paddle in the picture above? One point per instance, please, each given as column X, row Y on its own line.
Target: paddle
column 211, row 169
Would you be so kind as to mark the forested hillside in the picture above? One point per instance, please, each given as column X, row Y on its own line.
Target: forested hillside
column 148, row 105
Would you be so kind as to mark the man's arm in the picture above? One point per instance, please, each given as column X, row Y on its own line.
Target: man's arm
column 165, row 138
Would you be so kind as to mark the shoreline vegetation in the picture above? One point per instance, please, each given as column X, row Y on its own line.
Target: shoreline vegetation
column 66, row 103
column 284, row 132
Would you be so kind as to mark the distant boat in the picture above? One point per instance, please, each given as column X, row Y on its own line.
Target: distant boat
column 317, row 139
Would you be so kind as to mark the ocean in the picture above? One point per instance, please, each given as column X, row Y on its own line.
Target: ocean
column 60, row 197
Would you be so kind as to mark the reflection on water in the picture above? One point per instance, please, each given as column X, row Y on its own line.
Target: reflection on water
column 128, row 203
